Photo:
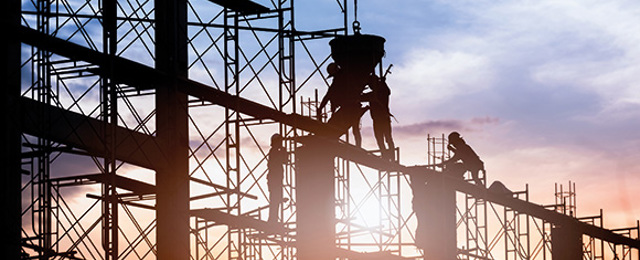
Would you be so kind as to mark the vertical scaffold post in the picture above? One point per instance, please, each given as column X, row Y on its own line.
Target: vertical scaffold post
column 11, row 132
column 315, row 201
column 172, row 179
column 566, row 243
column 440, row 223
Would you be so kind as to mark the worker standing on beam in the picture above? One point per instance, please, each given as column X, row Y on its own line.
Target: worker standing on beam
column 344, row 98
column 378, row 100
column 463, row 160
column 276, row 159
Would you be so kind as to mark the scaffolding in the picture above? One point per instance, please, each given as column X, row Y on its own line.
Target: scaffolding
column 140, row 132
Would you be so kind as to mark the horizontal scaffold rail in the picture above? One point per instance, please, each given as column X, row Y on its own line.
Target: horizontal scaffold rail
column 234, row 221
column 137, row 187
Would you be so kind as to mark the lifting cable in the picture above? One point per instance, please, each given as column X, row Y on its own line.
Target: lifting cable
column 356, row 23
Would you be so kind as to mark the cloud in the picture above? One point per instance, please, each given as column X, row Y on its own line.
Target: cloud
column 424, row 127
column 444, row 126
column 439, row 75
column 585, row 45
column 547, row 67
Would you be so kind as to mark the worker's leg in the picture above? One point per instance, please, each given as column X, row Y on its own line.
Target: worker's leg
column 388, row 137
column 378, row 133
column 475, row 175
column 275, row 198
column 456, row 170
column 357, row 136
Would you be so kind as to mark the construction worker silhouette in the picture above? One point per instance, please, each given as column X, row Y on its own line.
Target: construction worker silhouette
column 333, row 94
column 277, row 157
column 346, row 100
column 463, row 160
column 378, row 100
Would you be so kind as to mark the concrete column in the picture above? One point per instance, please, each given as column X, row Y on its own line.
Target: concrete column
column 10, row 203
column 439, row 220
column 315, row 202
column 566, row 243
column 172, row 181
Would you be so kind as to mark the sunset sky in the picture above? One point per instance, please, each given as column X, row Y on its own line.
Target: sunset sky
column 545, row 91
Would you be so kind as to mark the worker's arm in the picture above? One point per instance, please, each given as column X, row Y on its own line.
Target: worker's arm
column 324, row 101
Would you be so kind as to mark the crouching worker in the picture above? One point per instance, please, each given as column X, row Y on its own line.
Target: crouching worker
column 463, row 160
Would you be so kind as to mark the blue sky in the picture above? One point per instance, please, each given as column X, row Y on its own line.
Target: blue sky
column 546, row 91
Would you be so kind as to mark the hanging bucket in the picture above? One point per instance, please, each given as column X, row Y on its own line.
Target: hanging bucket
column 358, row 52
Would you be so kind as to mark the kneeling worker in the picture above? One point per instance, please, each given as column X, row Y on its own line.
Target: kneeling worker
column 463, row 160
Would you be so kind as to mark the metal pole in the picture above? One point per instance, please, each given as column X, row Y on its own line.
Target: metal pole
column 110, row 117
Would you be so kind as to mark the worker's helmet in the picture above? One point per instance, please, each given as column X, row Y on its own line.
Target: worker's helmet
column 276, row 139
column 454, row 136
column 332, row 69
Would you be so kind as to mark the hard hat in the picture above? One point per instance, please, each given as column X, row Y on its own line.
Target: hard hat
column 454, row 136
column 332, row 69
column 276, row 138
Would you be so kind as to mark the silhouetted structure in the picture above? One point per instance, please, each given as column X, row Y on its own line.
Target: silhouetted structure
column 464, row 159
column 57, row 60
column 277, row 158
column 378, row 100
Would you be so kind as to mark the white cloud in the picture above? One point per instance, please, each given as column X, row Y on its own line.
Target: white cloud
column 438, row 75
column 548, row 65
column 587, row 45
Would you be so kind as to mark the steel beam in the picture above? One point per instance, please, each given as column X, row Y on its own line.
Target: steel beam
column 87, row 134
column 135, row 186
column 538, row 211
column 245, row 7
